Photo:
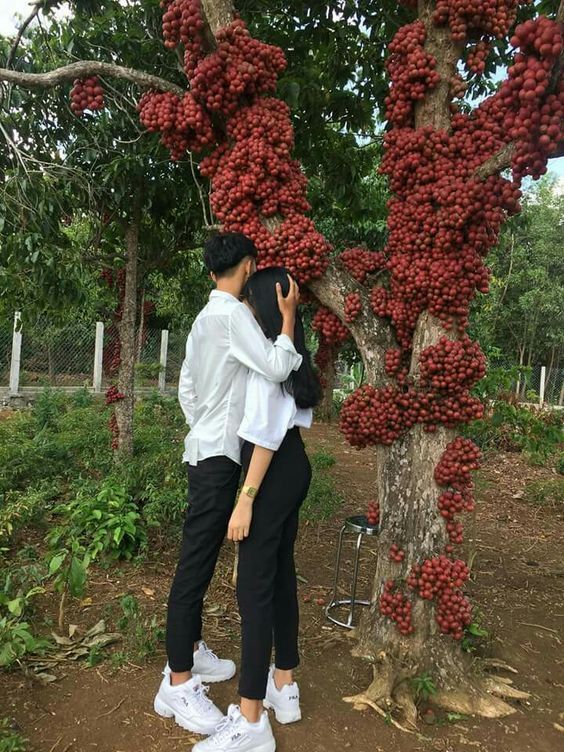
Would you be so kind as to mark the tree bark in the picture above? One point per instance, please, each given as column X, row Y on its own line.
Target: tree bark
column 84, row 68
column 126, row 330
column 326, row 407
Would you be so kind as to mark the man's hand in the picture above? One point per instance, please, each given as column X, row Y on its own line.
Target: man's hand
column 240, row 522
column 289, row 303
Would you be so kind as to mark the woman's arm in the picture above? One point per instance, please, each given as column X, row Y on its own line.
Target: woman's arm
column 240, row 522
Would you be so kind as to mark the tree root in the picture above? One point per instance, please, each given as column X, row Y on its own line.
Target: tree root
column 501, row 687
column 474, row 701
column 361, row 702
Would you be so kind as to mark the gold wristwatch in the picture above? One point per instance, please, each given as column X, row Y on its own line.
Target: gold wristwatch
column 249, row 491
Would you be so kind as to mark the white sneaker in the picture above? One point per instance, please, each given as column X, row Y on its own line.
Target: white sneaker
column 285, row 702
column 236, row 734
column 208, row 666
column 189, row 705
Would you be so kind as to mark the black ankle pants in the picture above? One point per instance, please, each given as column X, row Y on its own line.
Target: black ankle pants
column 266, row 582
column 212, row 489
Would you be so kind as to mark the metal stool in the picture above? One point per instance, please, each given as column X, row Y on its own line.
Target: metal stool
column 359, row 525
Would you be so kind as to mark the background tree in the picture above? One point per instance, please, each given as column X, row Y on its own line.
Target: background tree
column 522, row 317
column 447, row 207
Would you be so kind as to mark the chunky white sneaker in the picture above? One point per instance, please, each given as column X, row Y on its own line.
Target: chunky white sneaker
column 285, row 702
column 208, row 666
column 236, row 734
column 189, row 705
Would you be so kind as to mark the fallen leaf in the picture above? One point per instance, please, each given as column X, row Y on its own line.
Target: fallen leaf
column 85, row 602
column 148, row 591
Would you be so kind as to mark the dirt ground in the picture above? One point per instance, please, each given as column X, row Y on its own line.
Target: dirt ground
column 517, row 580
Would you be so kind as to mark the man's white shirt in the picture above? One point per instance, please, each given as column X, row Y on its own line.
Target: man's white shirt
column 225, row 342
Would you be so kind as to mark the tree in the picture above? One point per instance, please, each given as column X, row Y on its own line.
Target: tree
column 522, row 317
column 448, row 204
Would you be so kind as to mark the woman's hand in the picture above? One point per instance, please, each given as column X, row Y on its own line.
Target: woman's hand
column 240, row 522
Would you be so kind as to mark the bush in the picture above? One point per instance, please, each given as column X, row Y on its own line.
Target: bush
column 10, row 739
column 19, row 508
column 16, row 637
column 511, row 427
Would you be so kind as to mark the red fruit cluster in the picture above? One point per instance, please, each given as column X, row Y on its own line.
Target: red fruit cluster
column 353, row 307
column 397, row 607
column 113, row 395
column 459, row 460
column 396, row 554
column 534, row 117
column 412, row 71
column 254, row 178
column 441, row 578
column 329, row 326
column 434, row 575
column 183, row 123
column 492, row 17
column 182, row 22
column 392, row 361
column 86, row 94
column 452, row 365
column 454, row 613
column 241, row 67
column 477, row 56
column 373, row 513
column 360, row 263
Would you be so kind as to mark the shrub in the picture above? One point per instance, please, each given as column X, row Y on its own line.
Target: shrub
column 10, row 739
column 510, row 427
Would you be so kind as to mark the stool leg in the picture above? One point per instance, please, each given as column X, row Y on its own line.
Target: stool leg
column 354, row 579
column 337, row 567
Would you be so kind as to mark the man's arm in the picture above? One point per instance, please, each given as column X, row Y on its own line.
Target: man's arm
column 186, row 388
column 250, row 347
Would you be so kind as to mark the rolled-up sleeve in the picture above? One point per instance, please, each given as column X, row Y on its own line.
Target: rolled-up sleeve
column 267, row 413
column 250, row 347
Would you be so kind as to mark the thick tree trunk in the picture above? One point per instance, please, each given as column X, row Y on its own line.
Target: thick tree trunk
column 326, row 408
column 127, row 329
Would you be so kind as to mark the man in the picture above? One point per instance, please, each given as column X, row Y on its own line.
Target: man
column 225, row 341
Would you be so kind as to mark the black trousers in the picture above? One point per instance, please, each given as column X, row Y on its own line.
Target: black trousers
column 212, row 489
column 266, row 582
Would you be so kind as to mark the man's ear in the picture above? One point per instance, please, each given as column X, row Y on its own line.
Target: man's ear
column 213, row 277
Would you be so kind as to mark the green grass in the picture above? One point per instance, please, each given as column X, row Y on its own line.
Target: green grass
column 548, row 492
column 323, row 500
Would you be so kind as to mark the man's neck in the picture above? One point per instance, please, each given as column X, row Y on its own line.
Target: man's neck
column 231, row 286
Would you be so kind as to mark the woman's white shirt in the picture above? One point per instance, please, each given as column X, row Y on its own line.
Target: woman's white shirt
column 269, row 413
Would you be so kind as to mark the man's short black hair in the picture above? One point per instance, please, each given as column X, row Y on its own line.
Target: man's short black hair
column 225, row 250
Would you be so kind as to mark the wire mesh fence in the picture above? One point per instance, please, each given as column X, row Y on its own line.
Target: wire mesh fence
column 64, row 356
column 54, row 355
column 6, row 331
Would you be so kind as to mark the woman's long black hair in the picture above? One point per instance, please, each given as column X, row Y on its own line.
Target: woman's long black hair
column 260, row 293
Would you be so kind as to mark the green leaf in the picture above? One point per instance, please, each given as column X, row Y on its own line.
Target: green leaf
column 56, row 562
column 77, row 577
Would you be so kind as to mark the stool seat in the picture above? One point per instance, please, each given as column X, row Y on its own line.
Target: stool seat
column 358, row 525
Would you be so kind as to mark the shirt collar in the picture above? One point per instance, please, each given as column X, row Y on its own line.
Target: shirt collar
column 222, row 294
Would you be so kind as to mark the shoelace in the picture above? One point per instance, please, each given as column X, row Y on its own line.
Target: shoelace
column 209, row 652
column 201, row 697
column 224, row 730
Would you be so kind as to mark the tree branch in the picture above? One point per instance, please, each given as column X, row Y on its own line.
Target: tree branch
column 85, row 68
column 500, row 161
column 371, row 333
column 21, row 31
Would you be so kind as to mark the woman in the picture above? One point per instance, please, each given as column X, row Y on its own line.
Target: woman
column 265, row 522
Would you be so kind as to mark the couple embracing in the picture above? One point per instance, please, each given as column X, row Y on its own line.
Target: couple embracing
column 247, row 386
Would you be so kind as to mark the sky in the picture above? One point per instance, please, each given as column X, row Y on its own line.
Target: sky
column 9, row 10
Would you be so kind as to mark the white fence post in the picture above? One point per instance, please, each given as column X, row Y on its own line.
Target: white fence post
column 16, row 361
column 542, row 385
column 163, row 360
column 98, row 357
